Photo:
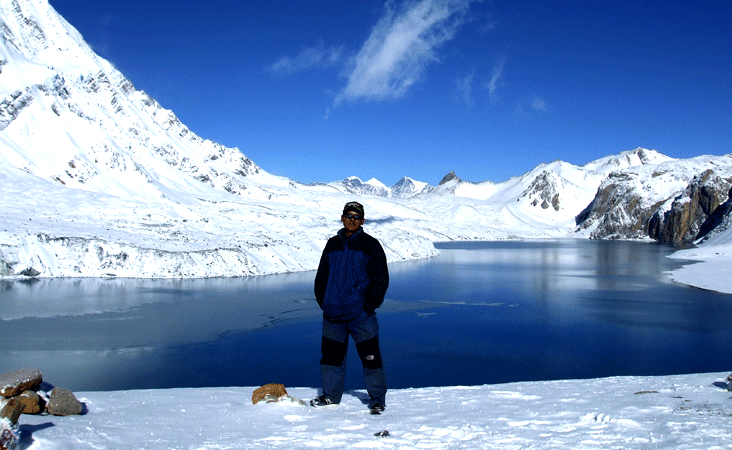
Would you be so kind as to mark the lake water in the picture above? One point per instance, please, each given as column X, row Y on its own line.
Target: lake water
column 480, row 313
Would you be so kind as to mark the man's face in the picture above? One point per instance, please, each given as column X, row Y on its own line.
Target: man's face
column 352, row 221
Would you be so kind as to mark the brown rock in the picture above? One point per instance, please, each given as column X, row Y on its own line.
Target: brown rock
column 32, row 402
column 17, row 381
column 273, row 389
column 11, row 410
column 63, row 402
column 688, row 217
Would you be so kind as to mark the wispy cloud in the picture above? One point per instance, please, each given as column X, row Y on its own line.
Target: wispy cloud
column 539, row 104
column 319, row 56
column 400, row 47
column 493, row 84
column 464, row 87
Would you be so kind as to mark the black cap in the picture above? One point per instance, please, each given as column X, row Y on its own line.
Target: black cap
column 353, row 206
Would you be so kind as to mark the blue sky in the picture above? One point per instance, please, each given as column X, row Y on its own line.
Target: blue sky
column 318, row 91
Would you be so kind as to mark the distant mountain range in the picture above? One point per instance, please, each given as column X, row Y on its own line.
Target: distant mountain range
column 100, row 180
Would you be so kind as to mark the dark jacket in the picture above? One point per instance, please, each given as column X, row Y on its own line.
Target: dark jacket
column 352, row 276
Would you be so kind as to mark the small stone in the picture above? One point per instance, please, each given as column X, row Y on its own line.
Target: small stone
column 273, row 389
column 63, row 402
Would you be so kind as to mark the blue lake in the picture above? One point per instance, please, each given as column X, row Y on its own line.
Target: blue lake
column 480, row 313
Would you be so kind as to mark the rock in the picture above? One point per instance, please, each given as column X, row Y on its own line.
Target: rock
column 719, row 220
column 620, row 210
column 30, row 272
column 63, row 402
column 32, row 402
column 11, row 410
column 543, row 191
column 683, row 220
column 449, row 177
column 17, row 381
column 276, row 390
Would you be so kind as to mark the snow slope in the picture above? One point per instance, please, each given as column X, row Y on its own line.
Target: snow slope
column 669, row 412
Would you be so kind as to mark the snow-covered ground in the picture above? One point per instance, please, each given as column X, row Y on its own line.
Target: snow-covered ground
column 671, row 412
column 713, row 271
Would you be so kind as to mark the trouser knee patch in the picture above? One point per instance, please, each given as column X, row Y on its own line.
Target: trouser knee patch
column 333, row 352
column 369, row 353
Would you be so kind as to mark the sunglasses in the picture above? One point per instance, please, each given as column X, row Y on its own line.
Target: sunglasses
column 353, row 216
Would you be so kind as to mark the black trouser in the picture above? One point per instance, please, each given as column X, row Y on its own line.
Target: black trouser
column 365, row 332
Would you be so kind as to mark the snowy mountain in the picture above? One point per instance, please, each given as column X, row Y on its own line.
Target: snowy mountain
column 404, row 188
column 99, row 179
column 354, row 185
column 658, row 199
column 407, row 187
column 102, row 180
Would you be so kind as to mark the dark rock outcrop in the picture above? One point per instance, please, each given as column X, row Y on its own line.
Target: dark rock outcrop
column 690, row 210
column 618, row 211
column 720, row 219
column 543, row 191
column 449, row 177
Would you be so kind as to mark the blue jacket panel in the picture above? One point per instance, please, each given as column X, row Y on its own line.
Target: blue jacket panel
column 352, row 276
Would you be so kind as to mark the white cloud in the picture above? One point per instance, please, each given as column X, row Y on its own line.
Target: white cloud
column 312, row 57
column 493, row 85
column 539, row 104
column 400, row 47
column 465, row 89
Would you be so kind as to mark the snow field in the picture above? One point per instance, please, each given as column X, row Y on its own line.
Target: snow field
column 680, row 411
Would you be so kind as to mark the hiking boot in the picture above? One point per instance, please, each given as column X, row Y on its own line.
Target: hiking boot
column 377, row 408
column 322, row 400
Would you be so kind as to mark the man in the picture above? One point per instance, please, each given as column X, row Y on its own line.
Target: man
column 350, row 284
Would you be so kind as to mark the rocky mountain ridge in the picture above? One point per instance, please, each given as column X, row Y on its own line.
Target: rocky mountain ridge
column 669, row 202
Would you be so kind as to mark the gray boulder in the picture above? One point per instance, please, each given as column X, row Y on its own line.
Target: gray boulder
column 63, row 402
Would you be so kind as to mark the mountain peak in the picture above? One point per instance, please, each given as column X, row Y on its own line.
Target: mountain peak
column 449, row 177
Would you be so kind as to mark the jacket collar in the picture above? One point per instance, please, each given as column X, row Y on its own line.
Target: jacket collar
column 342, row 234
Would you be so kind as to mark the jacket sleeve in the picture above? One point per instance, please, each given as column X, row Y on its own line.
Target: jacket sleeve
column 379, row 275
column 321, row 276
